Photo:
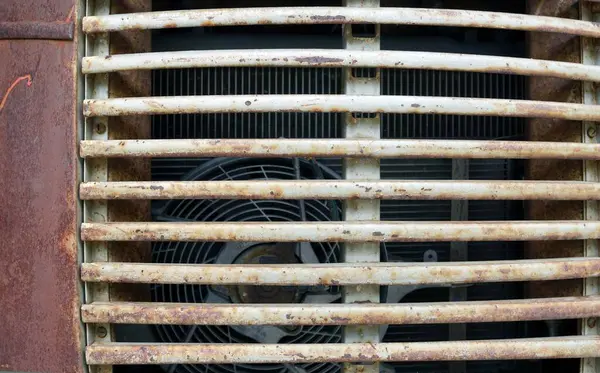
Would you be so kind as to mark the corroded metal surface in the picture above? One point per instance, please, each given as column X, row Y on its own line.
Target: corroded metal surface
column 344, row 189
column 333, row 15
column 559, row 48
column 340, row 148
column 339, row 103
column 37, row 30
column 342, row 314
column 337, row 58
column 39, row 288
column 344, row 231
column 367, row 210
column 507, row 349
column 344, row 274
column 129, row 84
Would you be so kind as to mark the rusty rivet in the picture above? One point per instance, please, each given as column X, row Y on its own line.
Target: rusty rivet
column 100, row 128
column 591, row 322
column 101, row 332
column 591, row 132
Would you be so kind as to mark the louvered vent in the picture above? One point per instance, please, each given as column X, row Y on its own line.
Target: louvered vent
column 318, row 187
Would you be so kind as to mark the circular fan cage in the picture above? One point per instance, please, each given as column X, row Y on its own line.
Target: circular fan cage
column 250, row 253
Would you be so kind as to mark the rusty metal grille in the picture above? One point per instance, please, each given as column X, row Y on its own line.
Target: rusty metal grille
column 347, row 203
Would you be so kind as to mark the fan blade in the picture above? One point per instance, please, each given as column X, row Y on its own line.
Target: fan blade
column 262, row 334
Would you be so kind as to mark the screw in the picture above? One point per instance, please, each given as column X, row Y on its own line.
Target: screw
column 100, row 128
column 591, row 322
column 591, row 132
column 101, row 332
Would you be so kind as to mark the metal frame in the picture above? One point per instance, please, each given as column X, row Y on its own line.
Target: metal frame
column 96, row 170
column 459, row 252
column 590, row 56
column 368, row 128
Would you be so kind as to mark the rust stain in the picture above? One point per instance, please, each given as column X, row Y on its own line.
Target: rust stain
column 317, row 60
column 336, row 18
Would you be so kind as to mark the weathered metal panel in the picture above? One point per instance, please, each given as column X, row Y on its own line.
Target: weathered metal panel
column 333, row 15
column 507, row 349
column 339, row 103
column 466, row 149
column 337, row 58
column 39, row 287
column 355, row 231
column 344, row 274
column 344, row 189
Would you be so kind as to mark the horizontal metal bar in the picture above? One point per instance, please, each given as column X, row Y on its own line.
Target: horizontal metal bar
column 344, row 231
column 337, row 58
column 503, row 349
column 342, row 314
column 339, row 103
column 389, row 273
column 37, row 30
column 337, row 15
column 340, row 148
column 344, row 189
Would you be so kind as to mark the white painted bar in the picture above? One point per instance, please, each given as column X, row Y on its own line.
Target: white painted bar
column 502, row 349
column 344, row 189
column 337, row 15
column 339, row 103
column 356, row 231
column 339, row 58
column 388, row 273
column 466, row 149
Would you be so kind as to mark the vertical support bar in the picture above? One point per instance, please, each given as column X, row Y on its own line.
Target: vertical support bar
column 96, row 170
column 590, row 11
column 459, row 252
column 363, row 126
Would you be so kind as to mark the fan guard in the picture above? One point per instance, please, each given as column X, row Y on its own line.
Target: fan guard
column 228, row 253
column 252, row 252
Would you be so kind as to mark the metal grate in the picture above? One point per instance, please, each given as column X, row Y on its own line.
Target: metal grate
column 341, row 128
